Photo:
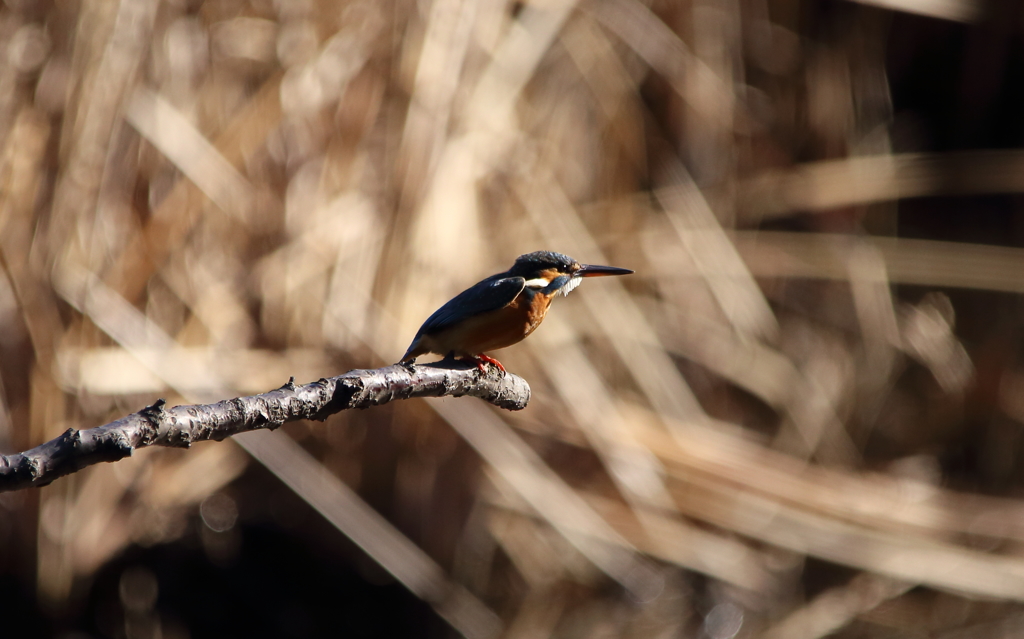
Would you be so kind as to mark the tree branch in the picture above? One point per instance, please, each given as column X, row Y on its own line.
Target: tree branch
column 181, row 425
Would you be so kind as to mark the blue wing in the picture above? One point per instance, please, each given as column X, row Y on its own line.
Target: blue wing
column 489, row 295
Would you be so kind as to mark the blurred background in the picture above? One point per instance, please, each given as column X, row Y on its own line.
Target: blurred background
column 803, row 416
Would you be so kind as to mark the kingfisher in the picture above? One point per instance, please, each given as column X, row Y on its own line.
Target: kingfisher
column 503, row 309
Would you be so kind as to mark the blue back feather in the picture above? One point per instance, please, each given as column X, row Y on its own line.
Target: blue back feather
column 491, row 294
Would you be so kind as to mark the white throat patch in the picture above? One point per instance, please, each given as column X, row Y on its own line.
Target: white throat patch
column 571, row 284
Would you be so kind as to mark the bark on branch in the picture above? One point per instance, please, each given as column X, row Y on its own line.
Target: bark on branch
column 179, row 426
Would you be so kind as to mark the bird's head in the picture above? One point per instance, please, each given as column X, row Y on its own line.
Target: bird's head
column 550, row 272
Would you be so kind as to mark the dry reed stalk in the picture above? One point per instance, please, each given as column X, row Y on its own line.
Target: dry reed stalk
column 270, row 188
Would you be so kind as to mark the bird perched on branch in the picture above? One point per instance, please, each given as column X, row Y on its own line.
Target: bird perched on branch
column 503, row 309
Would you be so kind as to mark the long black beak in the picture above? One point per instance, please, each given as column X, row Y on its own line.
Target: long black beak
column 592, row 270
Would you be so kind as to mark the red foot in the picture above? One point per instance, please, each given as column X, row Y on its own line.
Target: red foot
column 481, row 358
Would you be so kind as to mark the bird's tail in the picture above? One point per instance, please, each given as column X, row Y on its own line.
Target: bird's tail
column 414, row 351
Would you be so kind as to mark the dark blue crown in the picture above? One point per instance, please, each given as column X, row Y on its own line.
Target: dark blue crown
column 540, row 260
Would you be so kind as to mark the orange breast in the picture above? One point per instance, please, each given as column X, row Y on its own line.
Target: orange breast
column 491, row 331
